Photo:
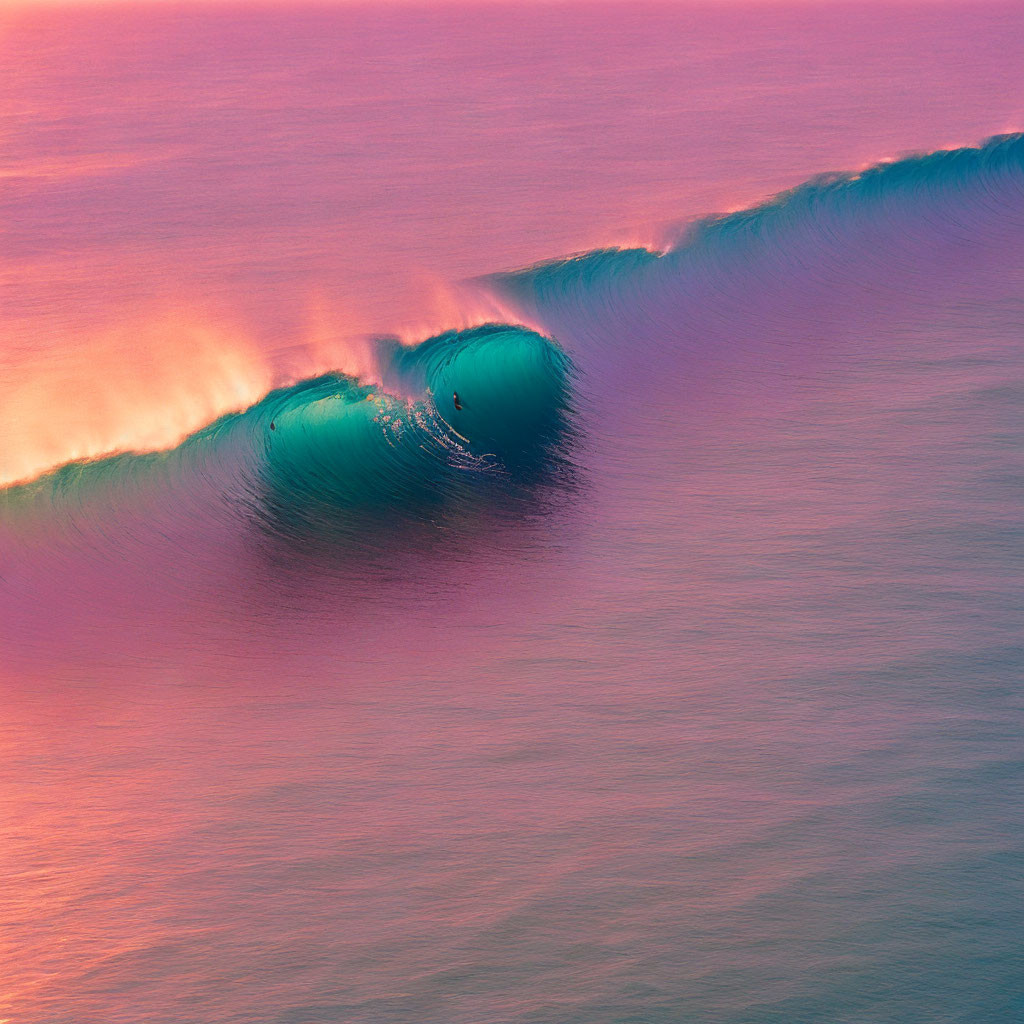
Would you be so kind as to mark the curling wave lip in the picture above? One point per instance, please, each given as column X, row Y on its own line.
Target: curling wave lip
column 305, row 452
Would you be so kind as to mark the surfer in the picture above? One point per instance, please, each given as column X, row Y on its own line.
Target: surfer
column 455, row 399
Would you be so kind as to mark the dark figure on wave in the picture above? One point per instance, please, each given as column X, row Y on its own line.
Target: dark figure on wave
column 455, row 399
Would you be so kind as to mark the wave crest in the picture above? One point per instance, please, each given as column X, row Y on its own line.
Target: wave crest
column 329, row 445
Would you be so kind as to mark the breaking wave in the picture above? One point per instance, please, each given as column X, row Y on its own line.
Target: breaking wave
column 785, row 280
column 462, row 412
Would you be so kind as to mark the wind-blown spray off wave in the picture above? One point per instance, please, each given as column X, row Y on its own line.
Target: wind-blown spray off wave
column 460, row 412
column 815, row 266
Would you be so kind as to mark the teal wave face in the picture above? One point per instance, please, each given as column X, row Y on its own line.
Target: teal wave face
column 489, row 402
column 477, row 406
column 503, row 391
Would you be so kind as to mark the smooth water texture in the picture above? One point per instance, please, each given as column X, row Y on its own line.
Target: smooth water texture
column 472, row 551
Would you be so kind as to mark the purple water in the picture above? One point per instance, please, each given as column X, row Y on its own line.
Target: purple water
column 707, row 708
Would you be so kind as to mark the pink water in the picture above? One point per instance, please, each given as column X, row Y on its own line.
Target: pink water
column 230, row 194
column 726, row 728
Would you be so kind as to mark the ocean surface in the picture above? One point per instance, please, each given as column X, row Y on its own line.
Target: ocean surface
column 512, row 514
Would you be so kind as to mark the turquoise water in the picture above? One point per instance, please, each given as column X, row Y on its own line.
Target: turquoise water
column 673, row 674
